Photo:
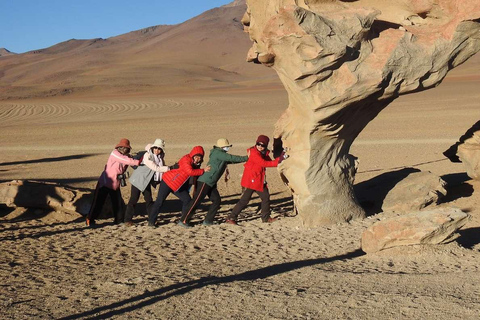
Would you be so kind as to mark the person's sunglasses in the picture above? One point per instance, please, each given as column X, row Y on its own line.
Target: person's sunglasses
column 261, row 145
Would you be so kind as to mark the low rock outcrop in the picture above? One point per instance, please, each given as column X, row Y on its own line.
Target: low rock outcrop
column 424, row 227
column 342, row 62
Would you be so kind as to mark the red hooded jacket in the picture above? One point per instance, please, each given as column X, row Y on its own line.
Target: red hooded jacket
column 254, row 172
column 177, row 177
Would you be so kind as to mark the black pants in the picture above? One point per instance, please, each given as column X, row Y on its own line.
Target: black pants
column 99, row 199
column 135, row 195
column 163, row 192
column 202, row 190
column 243, row 202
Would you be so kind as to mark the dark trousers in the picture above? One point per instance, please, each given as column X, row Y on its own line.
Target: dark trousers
column 135, row 195
column 99, row 199
column 163, row 192
column 201, row 191
column 243, row 202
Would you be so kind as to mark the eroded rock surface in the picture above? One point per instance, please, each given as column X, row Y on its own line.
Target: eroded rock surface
column 342, row 62
column 424, row 227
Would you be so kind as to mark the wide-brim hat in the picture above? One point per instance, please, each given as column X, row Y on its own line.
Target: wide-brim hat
column 159, row 143
column 124, row 143
column 222, row 143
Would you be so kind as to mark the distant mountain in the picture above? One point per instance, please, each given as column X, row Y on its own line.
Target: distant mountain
column 4, row 52
column 206, row 52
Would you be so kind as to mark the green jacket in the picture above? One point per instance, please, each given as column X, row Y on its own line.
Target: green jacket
column 218, row 161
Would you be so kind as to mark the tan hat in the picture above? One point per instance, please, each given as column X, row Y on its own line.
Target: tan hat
column 159, row 143
column 221, row 143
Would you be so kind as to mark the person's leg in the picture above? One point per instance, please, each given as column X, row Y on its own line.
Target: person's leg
column 99, row 198
column 265, row 205
column 116, row 198
column 184, row 196
column 214, row 196
column 163, row 192
column 147, row 196
column 241, row 204
column 201, row 191
column 134, row 196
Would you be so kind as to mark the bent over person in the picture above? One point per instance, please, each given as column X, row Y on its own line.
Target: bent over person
column 253, row 180
column 147, row 175
column 109, row 182
column 176, row 181
column 207, row 183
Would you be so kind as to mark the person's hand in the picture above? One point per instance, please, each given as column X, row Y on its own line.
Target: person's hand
column 207, row 169
column 283, row 156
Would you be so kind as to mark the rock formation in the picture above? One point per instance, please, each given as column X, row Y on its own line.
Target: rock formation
column 467, row 151
column 425, row 227
column 342, row 62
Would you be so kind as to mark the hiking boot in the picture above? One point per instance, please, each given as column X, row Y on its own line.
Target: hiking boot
column 129, row 224
column 89, row 222
column 152, row 225
column 185, row 225
column 207, row 223
column 270, row 220
column 228, row 221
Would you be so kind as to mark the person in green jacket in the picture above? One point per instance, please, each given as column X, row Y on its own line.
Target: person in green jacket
column 207, row 183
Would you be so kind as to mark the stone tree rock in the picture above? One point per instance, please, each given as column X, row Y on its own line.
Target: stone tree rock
column 342, row 62
column 467, row 151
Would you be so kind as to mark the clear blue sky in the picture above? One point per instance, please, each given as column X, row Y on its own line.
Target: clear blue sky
column 35, row 24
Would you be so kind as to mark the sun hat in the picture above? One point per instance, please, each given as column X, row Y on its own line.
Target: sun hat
column 159, row 143
column 263, row 139
column 222, row 143
column 124, row 143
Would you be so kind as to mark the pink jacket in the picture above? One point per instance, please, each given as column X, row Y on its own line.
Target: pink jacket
column 117, row 163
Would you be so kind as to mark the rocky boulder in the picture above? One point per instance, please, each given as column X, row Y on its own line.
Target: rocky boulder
column 417, row 228
column 343, row 62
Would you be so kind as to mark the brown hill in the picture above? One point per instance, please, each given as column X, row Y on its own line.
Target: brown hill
column 4, row 52
column 206, row 52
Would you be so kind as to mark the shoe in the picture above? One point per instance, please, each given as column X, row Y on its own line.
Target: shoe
column 89, row 222
column 129, row 224
column 270, row 220
column 207, row 223
column 185, row 225
column 231, row 222
column 152, row 225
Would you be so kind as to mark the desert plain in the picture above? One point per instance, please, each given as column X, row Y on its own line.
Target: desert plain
column 54, row 267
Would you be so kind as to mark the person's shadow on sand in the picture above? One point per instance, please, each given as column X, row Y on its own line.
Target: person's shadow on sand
column 151, row 297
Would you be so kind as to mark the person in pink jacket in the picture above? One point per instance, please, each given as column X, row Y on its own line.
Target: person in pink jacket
column 109, row 182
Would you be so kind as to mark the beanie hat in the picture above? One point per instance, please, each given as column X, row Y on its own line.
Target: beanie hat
column 263, row 139
column 124, row 143
column 159, row 143
column 221, row 143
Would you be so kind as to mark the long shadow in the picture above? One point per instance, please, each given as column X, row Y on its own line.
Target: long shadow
column 372, row 193
column 54, row 159
column 41, row 234
column 149, row 298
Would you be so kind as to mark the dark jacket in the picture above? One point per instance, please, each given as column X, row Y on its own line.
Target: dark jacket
column 218, row 161
column 177, row 177
column 254, row 172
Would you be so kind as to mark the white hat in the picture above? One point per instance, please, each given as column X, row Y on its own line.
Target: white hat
column 221, row 143
column 159, row 143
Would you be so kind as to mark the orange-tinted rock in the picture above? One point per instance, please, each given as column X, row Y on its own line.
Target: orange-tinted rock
column 423, row 227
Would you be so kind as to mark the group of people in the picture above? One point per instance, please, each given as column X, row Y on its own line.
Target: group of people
column 151, row 171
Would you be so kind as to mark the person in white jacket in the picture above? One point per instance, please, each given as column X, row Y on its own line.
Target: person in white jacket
column 147, row 175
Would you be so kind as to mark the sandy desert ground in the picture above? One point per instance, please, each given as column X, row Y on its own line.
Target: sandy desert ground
column 52, row 266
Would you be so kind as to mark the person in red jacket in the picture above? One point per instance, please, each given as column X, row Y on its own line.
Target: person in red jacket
column 253, row 179
column 176, row 181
